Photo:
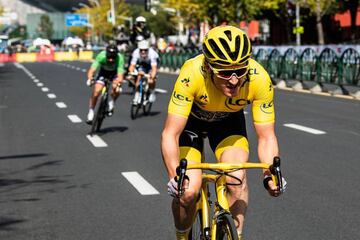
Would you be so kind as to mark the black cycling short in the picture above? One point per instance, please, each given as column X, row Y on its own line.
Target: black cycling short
column 110, row 75
column 228, row 132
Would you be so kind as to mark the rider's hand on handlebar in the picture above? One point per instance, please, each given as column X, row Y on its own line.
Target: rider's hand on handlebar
column 271, row 187
column 173, row 186
column 89, row 82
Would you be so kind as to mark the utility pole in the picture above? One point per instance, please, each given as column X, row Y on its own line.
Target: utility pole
column 297, row 14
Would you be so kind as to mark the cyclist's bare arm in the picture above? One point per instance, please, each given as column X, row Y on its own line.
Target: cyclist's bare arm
column 131, row 68
column 153, row 72
column 174, row 125
column 91, row 72
column 267, row 146
column 119, row 77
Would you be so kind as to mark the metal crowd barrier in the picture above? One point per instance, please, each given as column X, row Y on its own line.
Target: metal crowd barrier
column 306, row 64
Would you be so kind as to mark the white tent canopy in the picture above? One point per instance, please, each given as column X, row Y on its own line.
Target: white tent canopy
column 73, row 41
column 41, row 41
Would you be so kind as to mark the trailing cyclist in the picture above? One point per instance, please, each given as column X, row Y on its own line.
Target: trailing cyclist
column 208, row 99
column 110, row 64
column 145, row 61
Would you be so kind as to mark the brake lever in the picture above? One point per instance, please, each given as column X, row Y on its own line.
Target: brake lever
column 276, row 174
column 180, row 171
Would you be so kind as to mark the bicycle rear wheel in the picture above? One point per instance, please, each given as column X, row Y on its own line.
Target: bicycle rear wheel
column 225, row 227
column 147, row 106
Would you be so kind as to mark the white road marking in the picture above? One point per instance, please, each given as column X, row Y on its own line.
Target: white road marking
column 143, row 186
column 96, row 141
column 44, row 89
column 84, row 70
column 303, row 128
column 60, row 105
column 36, row 80
column 51, row 95
column 159, row 90
column 78, row 68
column 40, row 84
column 74, row 118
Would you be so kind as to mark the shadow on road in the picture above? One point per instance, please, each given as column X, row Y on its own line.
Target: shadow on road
column 23, row 156
column 112, row 130
column 7, row 224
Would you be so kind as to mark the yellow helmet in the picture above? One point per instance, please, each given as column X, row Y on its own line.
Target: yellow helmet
column 226, row 46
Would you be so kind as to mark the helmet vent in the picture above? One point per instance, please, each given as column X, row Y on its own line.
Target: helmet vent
column 246, row 47
column 216, row 49
column 207, row 52
column 233, row 55
column 228, row 34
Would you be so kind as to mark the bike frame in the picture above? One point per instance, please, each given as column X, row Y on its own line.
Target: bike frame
column 221, row 204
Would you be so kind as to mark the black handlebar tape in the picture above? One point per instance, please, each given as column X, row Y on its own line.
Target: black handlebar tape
column 181, row 170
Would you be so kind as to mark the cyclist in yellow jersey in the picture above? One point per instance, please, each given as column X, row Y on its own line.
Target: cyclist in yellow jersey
column 208, row 99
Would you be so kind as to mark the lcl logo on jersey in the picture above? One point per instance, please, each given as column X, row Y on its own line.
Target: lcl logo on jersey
column 234, row 104
column 267, row 107
column 179, row 99
column 253, row 71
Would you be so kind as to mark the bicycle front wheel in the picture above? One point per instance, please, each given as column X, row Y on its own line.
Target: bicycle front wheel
column 225, row 227
column 99, row 116
column 196, row 232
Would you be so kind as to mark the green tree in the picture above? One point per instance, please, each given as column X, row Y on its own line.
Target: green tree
column 45, row 27
column 319, row 8
column 160, row 24
column 99, row 18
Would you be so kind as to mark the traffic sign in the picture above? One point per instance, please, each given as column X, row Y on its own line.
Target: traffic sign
column 76, row 20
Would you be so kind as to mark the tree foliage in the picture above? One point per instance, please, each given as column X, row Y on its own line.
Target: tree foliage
column 215, row 11
column 45, row 27
column 99, row 23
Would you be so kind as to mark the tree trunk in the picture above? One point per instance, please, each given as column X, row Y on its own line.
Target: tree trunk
column 353, row 7
column 319, row 25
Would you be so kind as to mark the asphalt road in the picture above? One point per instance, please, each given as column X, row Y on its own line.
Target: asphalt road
column 57, row 183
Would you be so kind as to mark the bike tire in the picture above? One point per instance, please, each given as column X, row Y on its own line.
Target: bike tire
column 147, row 108
column 134, row 110
column 99, row 116
column 225, row 227
column 196, row 232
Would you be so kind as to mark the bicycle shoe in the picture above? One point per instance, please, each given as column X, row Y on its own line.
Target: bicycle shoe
column 110, row 112
column 90, row 117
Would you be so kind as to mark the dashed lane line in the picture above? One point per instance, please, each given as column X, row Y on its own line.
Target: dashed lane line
column 305, row 129
column 40, row 84
column 45, row 89
column 61, row 105
column 74, row 118
column 96, row 141
column 51, row 96
column 159, row 90
column 140, row 184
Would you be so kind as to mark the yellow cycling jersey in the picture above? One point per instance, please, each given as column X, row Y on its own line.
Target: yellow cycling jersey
column 195, row 93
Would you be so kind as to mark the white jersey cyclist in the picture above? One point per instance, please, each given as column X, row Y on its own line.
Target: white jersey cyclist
column 145, row 59
column 144, row 62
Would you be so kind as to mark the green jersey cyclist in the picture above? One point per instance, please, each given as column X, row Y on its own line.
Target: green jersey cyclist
column 110, row 64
